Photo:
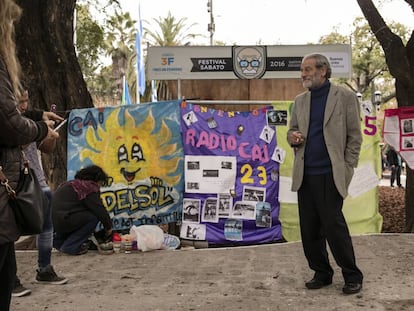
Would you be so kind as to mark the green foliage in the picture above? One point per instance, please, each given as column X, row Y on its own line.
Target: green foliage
column 115, row 38
column 335, row 38
column 171, row 32
column 89, row 42
column 168, row 32
column 370, row 71
column 120, row 33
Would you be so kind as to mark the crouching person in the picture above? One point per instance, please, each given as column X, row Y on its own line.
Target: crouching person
column 76, row 210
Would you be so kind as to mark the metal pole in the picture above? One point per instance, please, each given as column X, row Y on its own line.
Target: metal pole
column 232, row 102
column 211, row 27
column 75, row 38
column 138, row 99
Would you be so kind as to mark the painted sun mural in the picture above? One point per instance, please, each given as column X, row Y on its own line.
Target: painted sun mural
column 133, row 154
column 140, row 149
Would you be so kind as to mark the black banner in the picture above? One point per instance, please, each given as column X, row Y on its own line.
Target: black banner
column 283, row 63
column 221, row 64
column 214, row 64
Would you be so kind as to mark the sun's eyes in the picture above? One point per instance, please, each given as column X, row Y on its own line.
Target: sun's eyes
column 122, row 154
column 136, row 152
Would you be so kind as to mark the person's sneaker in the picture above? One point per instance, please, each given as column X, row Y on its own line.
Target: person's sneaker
column 49, row 276
column 105, row 248
column 19, row 291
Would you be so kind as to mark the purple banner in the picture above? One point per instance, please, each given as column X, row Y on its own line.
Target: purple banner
column 231, row 176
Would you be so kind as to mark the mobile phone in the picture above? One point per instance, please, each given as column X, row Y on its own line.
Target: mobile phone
column 60, row 125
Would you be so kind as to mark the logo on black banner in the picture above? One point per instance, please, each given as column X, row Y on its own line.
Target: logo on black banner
column 249, row 62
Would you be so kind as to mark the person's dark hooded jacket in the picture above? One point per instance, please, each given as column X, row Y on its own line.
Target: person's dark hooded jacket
column 15, row 131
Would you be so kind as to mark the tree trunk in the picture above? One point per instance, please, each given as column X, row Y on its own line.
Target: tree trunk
column 409, row 201
column 400, row 62
column 44, row 39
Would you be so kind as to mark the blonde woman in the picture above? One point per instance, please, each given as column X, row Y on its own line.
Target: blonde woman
column 15, row 131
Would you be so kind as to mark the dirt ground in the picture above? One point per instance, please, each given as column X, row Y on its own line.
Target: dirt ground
column 265, row 277
column 261, row 277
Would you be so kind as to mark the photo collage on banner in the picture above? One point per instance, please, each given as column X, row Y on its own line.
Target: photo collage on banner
column 231, row 170
column 399, row 132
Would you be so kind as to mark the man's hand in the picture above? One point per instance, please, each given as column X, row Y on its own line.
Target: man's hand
column 296, row 138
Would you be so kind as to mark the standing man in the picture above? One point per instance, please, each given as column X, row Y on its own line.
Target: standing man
column 394, row 161
column 325, row 132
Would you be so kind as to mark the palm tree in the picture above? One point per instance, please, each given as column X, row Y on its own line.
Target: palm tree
column 120, row 43
column 170, row 32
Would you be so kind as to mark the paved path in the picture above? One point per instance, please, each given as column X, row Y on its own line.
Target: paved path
column 385, row 181
column 264, row 277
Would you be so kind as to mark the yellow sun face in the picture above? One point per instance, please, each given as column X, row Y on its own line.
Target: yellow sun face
column 131, row 152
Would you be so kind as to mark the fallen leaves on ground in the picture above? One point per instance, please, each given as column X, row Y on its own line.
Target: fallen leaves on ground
column 392, row 209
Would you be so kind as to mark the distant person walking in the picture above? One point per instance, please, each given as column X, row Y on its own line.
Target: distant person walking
column 395, row 164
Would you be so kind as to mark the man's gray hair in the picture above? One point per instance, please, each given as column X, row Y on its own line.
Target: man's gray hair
column 320, row 62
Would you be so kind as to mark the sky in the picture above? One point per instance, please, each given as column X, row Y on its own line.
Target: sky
column 265, row 22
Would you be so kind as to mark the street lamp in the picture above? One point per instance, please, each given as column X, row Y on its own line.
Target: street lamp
column 377, row 99
column 359, row 95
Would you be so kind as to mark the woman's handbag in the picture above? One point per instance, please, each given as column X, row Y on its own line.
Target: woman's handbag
column 26, row 201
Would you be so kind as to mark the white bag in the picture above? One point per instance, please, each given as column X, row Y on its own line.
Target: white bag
column 148, row 237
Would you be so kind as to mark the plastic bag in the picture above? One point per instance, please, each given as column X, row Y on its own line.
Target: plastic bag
column 148, row 237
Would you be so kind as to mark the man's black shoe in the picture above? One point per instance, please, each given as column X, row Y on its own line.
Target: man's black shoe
column 352, row 288
column 316, row 284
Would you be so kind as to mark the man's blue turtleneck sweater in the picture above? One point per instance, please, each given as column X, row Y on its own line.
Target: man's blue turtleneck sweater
column 317, row 159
